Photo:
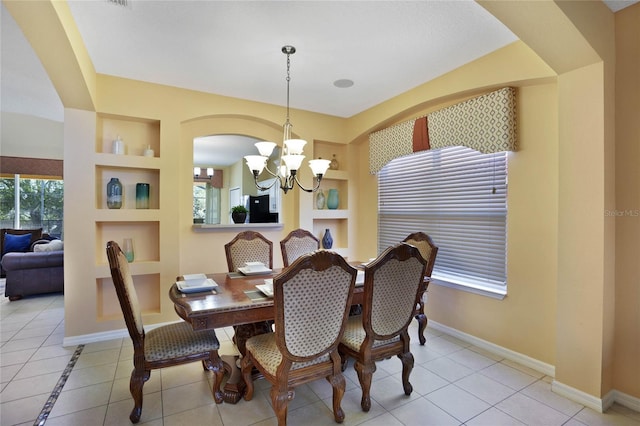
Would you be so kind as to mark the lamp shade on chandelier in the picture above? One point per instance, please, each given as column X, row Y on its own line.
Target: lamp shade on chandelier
column 286, row 176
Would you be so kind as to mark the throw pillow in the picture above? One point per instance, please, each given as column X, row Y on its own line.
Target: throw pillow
column 19, row 243
column 54, row 245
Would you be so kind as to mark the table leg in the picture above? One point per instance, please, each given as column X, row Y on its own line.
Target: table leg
column 234, row 388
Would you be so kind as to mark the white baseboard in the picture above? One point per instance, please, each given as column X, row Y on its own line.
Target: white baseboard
column 521, row 359
column 593, row 402
column 627, row 400
column 105, row 335
column 598, row 404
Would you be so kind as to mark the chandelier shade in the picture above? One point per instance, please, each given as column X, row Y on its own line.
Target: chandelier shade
column 290, row 155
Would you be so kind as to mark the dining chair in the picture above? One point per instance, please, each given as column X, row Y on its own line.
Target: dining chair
column 248, row 246
column 164, row 346
column 311, row 302
column 298, row 242
column 392, row 285
column 428, row 250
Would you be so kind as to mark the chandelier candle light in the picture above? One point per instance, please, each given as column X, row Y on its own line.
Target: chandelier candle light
column 290, row 155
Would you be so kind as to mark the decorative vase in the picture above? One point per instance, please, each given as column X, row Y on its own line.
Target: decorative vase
column 148, row 152
column 327, row 240
column 142, row 195
column 332, row 200
column 117, row 147
column 320, row 199
column 334, row 163
column 127, row 249
column 114, row 194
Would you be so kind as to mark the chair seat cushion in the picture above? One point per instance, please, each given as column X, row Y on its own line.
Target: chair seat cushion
column 178, row 340
column 354, row 335
column 266, row 353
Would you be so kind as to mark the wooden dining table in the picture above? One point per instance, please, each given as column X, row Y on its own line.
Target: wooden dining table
column 237, row 302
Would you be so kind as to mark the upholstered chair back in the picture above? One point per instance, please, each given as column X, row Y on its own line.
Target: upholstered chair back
column 312, row 301
column 125, row 290
column 427, row 248
column 248, row 246
column 297, row 243
column 392, row 284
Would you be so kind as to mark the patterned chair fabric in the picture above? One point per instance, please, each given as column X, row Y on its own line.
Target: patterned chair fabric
column 312, row 299
column 248, row 246
column 426, row 246
column 428, row 250
column 297, row 243
column 392, row 286
column 164, row 346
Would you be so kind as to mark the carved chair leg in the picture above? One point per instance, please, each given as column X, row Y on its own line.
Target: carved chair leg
column 422, row 323
column 135, row 387
column 338, row 383
column 247, row 366
column 365, row 373
column 280, row 401
column 215, row 364
column 407, row 367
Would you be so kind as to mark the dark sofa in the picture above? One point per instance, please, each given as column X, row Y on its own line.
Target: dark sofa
column 31, row 270
column 33, row 273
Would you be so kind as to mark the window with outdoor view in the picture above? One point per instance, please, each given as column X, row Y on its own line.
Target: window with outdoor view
column 28, row 203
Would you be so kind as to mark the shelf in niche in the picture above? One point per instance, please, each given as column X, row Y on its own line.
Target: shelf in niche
column 339, row 228
column 128, row 178
column 136, row 133
column 127, row 215
column 136, row 268
column 326, row 150
column 331, row 214
column 336, row 174
column 145, row 236
column 124, row 161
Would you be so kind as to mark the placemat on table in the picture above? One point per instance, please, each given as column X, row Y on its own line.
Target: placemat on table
column 256, row 295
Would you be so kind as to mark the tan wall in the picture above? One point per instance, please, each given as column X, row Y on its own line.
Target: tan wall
column 627, row 319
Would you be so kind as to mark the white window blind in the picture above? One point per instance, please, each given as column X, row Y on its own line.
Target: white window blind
column 459, row 197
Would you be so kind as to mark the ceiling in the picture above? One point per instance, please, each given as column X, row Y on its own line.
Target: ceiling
column 233, row 48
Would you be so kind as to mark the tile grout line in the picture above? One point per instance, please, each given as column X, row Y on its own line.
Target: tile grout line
column 48, row 406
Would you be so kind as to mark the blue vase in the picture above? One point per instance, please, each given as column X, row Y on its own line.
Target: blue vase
column 332, row 199
column 327, row 240
column 114, row 194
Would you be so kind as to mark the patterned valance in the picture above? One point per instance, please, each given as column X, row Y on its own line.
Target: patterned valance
column 486, row 123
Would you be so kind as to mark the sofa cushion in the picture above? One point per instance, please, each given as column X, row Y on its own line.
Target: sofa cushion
column 17, row 243
column 53, row 245
column 29, row 260
column 35, row 234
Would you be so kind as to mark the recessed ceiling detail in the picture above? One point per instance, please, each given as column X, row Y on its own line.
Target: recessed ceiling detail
column 343, row 83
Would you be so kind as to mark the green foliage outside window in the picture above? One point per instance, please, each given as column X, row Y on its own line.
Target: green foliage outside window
column 40, row 204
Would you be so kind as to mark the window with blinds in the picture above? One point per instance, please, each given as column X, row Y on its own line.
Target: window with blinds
column 459, row 197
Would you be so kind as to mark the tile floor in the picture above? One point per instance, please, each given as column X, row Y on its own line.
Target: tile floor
column 454, row 384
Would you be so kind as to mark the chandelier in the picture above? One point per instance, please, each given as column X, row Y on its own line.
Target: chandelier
column 286, row 175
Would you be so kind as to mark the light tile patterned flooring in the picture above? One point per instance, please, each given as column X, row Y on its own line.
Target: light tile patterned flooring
column 454, row 384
